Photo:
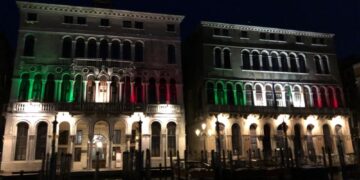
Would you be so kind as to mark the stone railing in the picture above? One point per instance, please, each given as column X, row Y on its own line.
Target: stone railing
column 163, row 108
column 100, row 62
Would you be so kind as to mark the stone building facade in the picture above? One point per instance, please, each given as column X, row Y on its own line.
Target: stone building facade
column 252, row 80
column 97, row 72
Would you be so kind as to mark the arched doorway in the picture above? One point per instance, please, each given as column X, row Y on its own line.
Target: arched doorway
column 310, row 143
column 118, row 143
column 267, row 142
column 100, row 143
column 63, row 142
column 253, row 141
column 298, row 149
column 81, row 140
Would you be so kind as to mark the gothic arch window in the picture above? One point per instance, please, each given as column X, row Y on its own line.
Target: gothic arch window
column 318, row 65
column 171, row 137
column 323, row 97
column 275, row 62
column 173, row 92
column 249, row 95
column 332, row 101
column 21, row 141
column 220, row 94
column 49, row 88
column 325, row 65
column 253, row 140
column 163, row 91
column 239, row 94
column 101, row 95
column 66, row 47
column 126, row 91
column 92, row 48
column 279, row 96
column 230, row 94
column 138, row 90
column 298, row 149
column 307, row 97
column 288, row 96
column 78, row 89
column 24, row 87
column 37, row 87
column 41, row 136
column 80, row 48
column 255, row 60
column 227, row 59
column 155, row 139
column 114, row 89
column 339, row 98
column 327, row 138
column 284, row 62
column 115, row 50
column 293, row 63
column 210, row 93
column 126, row 50
column 90, row 89
column 269, row 95
column 29, row 45
column 236, row 139
column 259, row 95
column 65, row 88
column 217, row 58
column 139, row 52
column 302, row 63
column 310, row 143
column 265, row 61
column 104, row 49
column 297, row 96
column 171, row 54
column 245, row 56
column 267, row 141
column 152, row 91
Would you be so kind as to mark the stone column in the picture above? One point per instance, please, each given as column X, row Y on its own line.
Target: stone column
column 57, row 90
column 71, row 96
column 97, row 50
column 86, row 49
column 251, row 61
column 31, row 148
column 90, row 145
column 168, row 93
column 31, row 81
column 108, row 91
column 121, row 50
column 157, row 92
column 132, row 93
column 43, row 84
column 96, row 90
column 128, row 137
column 132, row 51
column 145, row 96
column 109, row 51
column 111, row 134
column 85, row 88
column 120, row 91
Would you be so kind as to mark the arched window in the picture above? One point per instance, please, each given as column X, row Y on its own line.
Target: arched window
column 284, row 63
column 210, row 93
column 217, row 58
column 139, row 52
column 227, row 61
column 302, row 64
column 245, row 56
column 104, row 49
column 239, row 95
column 339, row 98
column 138, row 90
column 323, row 95
column 331, row 98
column 318, row 65
column 265, row 61
column 155, row 139
column 171, row 137
column 24, row 88
column 298, row 149
column 114, row 89
column 259, row 95
column 102, row 91
column 66, row 47
column 315, row 97
column 249, row 95
column 221, row 138
column 126, row 50
column 325, row 65
column 310, row 143
column 327, row 138
column 279, row 97
column 80, row 48
column 115, row 50
column 288, row 96
column 171, row 54
column 293, row 63
column 29, row 45
column 65, row 88
column 339, row 140
column 21, row 141
column 297, row 96
column 230, row 95
column 49, row 89
column 41, row 136
column 90, row 89
column 236, row 139
column 255, row 60
column 269, row 95
column 37, row 87
column 163, row 91
column 78, row 89
column 253, row 140
column 152, row 91
column 267, row 142
column 92, row 48
column 173, row 94
column 275, row 62
column 307, row 97
column 220, row 94
column 126, row 90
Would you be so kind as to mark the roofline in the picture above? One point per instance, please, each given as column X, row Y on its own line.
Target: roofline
column 265, row 29
column 99, row 11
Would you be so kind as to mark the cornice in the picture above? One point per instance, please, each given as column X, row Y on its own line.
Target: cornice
column 99, row 11
column 265, row 29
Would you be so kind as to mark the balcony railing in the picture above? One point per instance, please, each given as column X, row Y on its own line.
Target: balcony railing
column 100, row 62
column 33, row 107
column 276, row 110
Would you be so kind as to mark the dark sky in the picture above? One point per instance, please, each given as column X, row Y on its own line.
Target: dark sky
column 341, row 17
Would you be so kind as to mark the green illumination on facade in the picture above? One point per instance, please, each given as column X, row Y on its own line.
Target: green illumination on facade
column 216, row 97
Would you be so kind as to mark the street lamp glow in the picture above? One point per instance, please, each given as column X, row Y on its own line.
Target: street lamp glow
column 197, row 132
column 209, row 132
column 203, row 126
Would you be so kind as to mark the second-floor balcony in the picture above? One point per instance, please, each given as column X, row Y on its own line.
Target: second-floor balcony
column 100, row 62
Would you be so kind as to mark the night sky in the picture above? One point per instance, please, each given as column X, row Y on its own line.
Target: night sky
column 341, row 17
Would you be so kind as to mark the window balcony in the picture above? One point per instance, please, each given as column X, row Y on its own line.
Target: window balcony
column 99, row 63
